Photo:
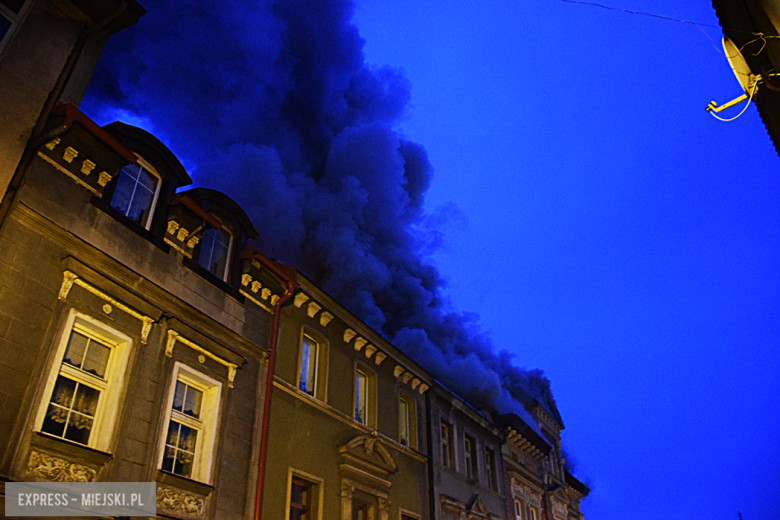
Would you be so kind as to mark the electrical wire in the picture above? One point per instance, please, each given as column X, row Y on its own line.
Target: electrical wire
column 752, row 91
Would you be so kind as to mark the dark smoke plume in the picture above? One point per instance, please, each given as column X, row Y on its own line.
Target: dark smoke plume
column 273, row 103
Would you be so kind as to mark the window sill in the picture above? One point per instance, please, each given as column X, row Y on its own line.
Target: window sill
column 70, row 449
column 220, row 284
column 184, row 483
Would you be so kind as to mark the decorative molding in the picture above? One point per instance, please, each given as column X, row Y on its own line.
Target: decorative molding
column 348, row 335
column 300, row 299
column 255, row 301
column 415, row 383
column 370, row 349
column 380, row 356
column 174, row 336
column 179, row 502
column 69, row 154
column 423, row 387
column 359, row 342
column 405, row 377
column 55, row 469
column 70, row 278
column 397, row 371
column 346, row 490
column 373, row 446
column 69, row 174
column 325, row 318
column 313, row 309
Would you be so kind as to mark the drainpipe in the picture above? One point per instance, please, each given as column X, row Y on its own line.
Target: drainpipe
column 292, row 285
column 87, row 33
column 431, row 452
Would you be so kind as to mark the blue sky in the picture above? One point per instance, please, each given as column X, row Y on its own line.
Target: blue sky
column 605, row 227
column 611, row 232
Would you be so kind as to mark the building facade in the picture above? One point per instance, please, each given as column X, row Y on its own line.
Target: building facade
column 348, row 434
column 465, row 460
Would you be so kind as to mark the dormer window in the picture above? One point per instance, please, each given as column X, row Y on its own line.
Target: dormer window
column 135, row 195
column 215, row 248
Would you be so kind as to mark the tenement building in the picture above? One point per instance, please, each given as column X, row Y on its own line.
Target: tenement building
column 138, row 332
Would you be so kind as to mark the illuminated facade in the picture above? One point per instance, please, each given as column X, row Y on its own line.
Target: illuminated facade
column 137, row 330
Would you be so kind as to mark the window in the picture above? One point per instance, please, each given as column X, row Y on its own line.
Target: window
column 405, row 420
column 82, row 378
column 446, row 444
column 135, row 193
column 490, row 469
column 10, row 15
column 215, row 252
column 83, row 387
column 193, row 402
column 359, row 510
column 518, row 510
column 307, row 374
column 534, row 515
column 302, row 500
column 361, row 396
column 469, row 448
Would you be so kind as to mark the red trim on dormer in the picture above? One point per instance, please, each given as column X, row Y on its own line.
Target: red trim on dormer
column 195, row 208
column 74, row 115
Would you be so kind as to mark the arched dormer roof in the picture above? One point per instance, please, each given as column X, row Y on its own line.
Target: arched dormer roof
column 223, row 206
column 152, row 150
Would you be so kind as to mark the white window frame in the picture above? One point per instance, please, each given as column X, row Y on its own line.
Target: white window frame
column 469, row 457
column 229, row 250
column 15, row 19
column 106, row 412
column 148, row 167
column 205, row 447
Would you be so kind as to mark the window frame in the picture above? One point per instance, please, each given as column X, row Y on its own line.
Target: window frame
column 317, row 486
column 447, row 451
column 369, row 397
column 153, row 206
column 361, row 396
column 491, row 471
column 313, row 372
column 15, row 19
column 106, row 412
column 471, row 467
column 411, row 410
column 519, row 509
column 206, row 444
column 229, row 256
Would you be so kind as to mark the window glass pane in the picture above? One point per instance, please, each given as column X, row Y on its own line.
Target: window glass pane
column 96, row 359
column 4, row 26
column 59, row 409
column 360, row 397
column 134, row 193
column 178, row 398
column 404, row 420
column 77, row 346
column 180, row 449
column 13, row 5
column 307, row 373
column 192, row 402
column 214, row 251
column 71, row 411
